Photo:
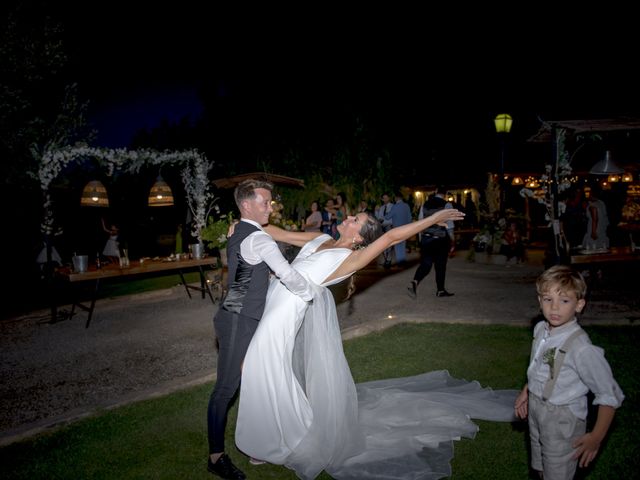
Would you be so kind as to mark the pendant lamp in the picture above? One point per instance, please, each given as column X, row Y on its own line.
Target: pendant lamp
column 94, row 194
column 160, row 194
column 606, row 166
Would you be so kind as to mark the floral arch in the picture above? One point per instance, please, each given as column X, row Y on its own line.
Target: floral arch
column 196, row 167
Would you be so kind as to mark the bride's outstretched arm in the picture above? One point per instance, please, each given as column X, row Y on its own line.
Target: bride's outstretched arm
column 292, row 238
column 361, row 258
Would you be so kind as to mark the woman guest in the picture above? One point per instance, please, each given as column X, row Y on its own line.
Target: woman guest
column 112, row 246
column 314, row 220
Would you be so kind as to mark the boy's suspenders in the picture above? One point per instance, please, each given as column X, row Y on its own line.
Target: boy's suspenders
column 557, row 363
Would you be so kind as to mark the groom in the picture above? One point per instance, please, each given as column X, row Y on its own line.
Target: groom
column 252, row 254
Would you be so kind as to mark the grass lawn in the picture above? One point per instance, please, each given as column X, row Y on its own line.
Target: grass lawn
column 166, row 438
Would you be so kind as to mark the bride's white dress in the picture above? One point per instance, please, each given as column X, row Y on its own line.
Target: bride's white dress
column 299, row 406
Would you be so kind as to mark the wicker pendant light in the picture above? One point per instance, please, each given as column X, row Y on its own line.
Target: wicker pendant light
column 94, row 194
column 160, row 194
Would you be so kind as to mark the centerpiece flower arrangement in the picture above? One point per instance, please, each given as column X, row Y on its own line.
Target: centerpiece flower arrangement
column 631, row 211
column 214, row 234
column 278, row 219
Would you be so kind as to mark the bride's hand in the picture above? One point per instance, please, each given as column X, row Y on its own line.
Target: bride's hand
column 232, row 227
column 446, row 215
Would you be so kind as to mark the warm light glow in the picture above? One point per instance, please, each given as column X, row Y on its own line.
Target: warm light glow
column 503, row 122
column 614, row 178
column 160, row 194
column 627, row 177
column 94, row 194
column 532, row 183
column 516, row 181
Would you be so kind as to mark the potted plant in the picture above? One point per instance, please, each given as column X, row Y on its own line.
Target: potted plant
column 214, row 234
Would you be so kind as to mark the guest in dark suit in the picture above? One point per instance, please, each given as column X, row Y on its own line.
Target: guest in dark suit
column 252, row 254
column 436, row 243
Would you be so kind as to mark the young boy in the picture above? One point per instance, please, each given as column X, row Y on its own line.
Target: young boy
column 564, row 367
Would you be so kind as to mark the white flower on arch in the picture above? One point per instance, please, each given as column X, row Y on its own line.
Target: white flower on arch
column 195, row 178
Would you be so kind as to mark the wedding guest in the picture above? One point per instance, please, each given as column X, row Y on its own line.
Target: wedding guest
column 512, row 243
column 343, row 210
column 383, row 214
column 314, row 220
column 329, row 218
column 363, row 207
column 597, row 222
column 436, row 244
column 112, row 247
column 574, row 218
column 399, row 215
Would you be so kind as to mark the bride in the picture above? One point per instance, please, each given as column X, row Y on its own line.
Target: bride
column 299, row 406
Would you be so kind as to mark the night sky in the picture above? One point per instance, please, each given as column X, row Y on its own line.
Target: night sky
column 427, row 84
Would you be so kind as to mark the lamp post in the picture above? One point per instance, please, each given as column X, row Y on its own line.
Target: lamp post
column 503, row 122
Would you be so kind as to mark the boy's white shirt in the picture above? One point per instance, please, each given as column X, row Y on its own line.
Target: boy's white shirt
column 584, row 369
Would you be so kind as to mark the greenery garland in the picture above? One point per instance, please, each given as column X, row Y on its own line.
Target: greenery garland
column 200, row 198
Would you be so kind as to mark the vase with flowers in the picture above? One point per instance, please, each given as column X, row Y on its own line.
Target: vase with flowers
column 214, row 234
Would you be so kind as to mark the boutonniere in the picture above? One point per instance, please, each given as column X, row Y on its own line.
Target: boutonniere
column 548, row 357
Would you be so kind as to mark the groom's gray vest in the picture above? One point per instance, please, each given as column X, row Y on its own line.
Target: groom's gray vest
column 248, row 283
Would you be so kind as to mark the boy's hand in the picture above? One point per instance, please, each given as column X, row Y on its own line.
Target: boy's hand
column 587, row 447
column 522, row 404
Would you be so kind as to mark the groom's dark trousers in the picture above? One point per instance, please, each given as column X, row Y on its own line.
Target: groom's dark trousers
column 234, row 332
column 235, row 323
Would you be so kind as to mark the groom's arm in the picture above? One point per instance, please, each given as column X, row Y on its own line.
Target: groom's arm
column 260, row 247
column 297, row 239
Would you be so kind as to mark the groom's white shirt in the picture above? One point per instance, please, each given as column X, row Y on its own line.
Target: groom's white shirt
column 259, row 247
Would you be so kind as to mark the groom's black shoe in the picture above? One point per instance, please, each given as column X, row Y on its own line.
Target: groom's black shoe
column 225, row 468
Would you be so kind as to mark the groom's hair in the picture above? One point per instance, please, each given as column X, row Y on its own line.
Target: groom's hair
column 246, row 190
column 371, row 230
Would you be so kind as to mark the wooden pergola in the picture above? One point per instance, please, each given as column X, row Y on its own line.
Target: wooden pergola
column 554, row 131
column 598, row 125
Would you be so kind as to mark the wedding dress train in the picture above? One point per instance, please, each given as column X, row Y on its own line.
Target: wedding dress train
column 299, row 406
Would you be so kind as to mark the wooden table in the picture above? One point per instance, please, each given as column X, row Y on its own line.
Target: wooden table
column 138, row 268
column 593, row 262
column 614, row 255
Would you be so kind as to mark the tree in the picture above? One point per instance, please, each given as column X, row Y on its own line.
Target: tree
column 39, row 109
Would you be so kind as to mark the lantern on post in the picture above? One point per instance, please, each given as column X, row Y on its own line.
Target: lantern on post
column 503, row 123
